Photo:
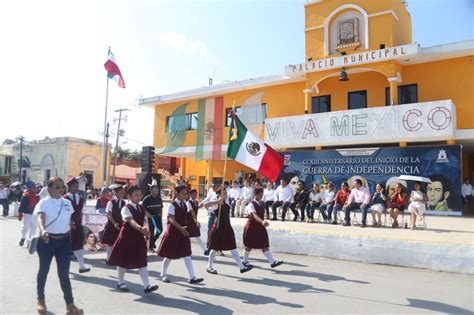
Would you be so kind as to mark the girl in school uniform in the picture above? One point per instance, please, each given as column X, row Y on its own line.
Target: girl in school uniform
column 129, row 251
column 175, row 243
column 221, row 236
column 114, row 219
column 193, row 224
column 255, row 231
column 77, row 233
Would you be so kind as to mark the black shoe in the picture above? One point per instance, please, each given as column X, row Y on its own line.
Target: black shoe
column 273, row 219
column 212, row 271
column 220, row 253
column 206, row 252
column 295, row 219
column 195, row 280
column 84, row 270
column 151, row 288
column 247, row 264
column 122, row 287
column 363, row 225
column 334, row 222
column 22, row 242
column 346, row 224
column 276, row 263
column 246, row 269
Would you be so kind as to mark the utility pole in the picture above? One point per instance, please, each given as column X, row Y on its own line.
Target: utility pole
column 20, row 161
column 117, row 139
column 106, row 144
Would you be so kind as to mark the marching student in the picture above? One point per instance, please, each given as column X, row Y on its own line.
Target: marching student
column 129, row 251
column 193, row 225
column 25, row 212
column 255, row 231
column 77, row 233
column 114, row 219
column 222, row 235
column 175, row 243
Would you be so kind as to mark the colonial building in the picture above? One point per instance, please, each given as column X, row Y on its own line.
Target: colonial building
column 64, row 157
column 362, row 83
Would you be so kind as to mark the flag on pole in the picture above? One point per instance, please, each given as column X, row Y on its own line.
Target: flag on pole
column 113, row 71
column 249, row 150
column 209, row 129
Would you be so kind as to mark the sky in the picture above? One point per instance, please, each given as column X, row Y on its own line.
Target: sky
column 52, row 79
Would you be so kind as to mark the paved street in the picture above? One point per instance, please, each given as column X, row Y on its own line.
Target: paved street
column 303, row 285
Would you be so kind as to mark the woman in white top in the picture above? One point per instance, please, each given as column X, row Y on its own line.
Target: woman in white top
column 54, row 219
column 245, row 197
column 417, row 206
column 268, row 198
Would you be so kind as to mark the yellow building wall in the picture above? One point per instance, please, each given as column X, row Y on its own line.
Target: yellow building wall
column 281, row 100
column 446, row 79
column 77, row 151
column 383, row 29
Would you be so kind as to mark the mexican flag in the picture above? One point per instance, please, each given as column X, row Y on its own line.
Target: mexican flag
column 209, row 129
column 113, row 71
column 249, row 150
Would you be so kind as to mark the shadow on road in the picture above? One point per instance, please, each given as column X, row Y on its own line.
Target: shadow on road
column 292, row 286
column 185, row 303
column 244, row 297
column 437, row 307
column 320, row 276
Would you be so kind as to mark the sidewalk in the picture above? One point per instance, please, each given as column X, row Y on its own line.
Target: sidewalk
column 446, row 245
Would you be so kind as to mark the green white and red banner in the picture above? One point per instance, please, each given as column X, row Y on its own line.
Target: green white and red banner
column 249, row 150
column 209, row 131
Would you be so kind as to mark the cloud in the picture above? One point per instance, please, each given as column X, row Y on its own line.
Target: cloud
column 182, row 44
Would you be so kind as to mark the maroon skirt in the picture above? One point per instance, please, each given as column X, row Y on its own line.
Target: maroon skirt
column 174, row 244
column 129, row 251
column 222, row 239
column 77, row 238
column 192, row 226
column 110, row 234
column 255, row 235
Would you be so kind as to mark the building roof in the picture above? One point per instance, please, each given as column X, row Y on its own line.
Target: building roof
column 427, row 54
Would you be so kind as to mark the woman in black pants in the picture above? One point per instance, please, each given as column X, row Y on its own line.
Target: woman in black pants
column 54, row 219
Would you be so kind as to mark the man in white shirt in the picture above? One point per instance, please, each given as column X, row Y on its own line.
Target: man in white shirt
column 4, row 192
column 82, row 180
column 358, row 199
column 211, row 196
column 268, row 198
column 245, row 197
column 327, row 201
column 234, row 195
column 467, row 193
column 283, row 198
column 315, row 198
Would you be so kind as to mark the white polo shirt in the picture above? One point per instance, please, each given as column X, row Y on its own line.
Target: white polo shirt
column 284, row 194
column 51, row 207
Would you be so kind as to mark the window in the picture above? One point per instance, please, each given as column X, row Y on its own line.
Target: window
column 8, row 165
column 238, row 110
column 357, row 99
column 47, row 175
column 407, row 94
column 182, row 122
column 321, row 104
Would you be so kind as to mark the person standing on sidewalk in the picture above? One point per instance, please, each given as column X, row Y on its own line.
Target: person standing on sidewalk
column 4, row 192
column 25, row 212
column 467, row 193
column 154, row 205
column 82, row 182
column 54, row 219
column 77, row 233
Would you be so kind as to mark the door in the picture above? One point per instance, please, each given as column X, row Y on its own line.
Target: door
column 90, row 179
column 202, row 187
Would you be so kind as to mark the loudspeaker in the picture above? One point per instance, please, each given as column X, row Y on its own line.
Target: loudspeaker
column 144, row 181
column 382, row 46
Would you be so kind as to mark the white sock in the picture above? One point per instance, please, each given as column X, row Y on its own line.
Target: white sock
column 201, row 243
column 237, row 259
column 144, row 275
column 189, row 265
column 269, row 256
column 210, row 261
column 121, row 275
column 246, row 256
column 164, row 266
column 109, row 250
column 80, row 257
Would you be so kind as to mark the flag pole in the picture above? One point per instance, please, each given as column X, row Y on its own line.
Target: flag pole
column 225, row 167
column 104, row 142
